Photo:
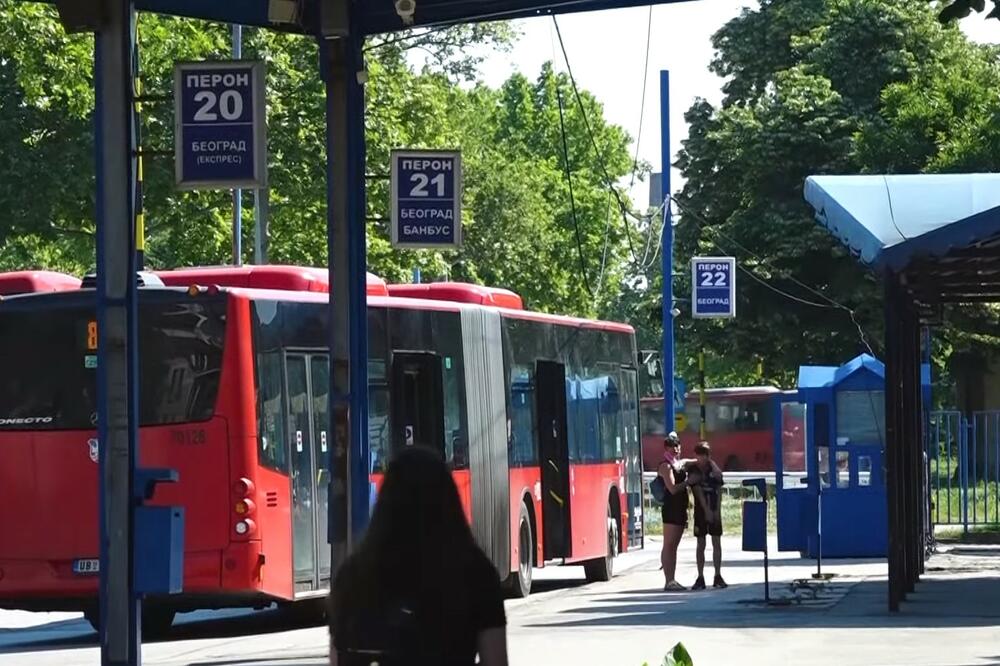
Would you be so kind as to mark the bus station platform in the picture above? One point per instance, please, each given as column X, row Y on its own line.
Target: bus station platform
column 952, row 621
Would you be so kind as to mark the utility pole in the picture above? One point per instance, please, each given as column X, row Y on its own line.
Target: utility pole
column 237, row 193
column 667, row 252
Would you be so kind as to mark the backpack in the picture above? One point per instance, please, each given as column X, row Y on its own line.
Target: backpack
column 658, row 488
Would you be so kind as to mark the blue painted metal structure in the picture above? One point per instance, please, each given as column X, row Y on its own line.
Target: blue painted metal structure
column 843, row 501
column 934, row 240
column 667, row 252
column 887, row 221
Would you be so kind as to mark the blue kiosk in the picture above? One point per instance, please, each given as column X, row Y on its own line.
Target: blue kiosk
column 829, row 461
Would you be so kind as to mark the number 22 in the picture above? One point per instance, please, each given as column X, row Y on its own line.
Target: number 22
column 707, row 279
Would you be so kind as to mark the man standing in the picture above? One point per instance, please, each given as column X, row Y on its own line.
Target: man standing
column 708, row 513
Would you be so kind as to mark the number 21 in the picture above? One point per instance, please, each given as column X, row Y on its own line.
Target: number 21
column 421, row 180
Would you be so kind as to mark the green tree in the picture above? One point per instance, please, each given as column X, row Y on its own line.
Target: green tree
column 520, row 231
column 798, row 102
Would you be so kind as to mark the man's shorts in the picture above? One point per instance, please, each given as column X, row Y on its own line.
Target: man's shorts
column 703, row 527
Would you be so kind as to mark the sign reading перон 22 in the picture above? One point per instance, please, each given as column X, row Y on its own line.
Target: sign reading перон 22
column 219, row 125
column 426, row 199
column 713, row 287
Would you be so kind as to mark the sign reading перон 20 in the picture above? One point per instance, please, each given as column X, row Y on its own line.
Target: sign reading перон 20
column 426, row 198
column 220, row 129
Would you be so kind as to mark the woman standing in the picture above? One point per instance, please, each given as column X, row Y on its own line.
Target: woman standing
column 675, row 509
column 418, row 590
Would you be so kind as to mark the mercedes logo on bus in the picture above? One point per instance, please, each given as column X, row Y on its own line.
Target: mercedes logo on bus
column 94, row 450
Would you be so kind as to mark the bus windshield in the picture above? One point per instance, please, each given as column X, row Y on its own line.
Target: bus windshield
column 49, row 359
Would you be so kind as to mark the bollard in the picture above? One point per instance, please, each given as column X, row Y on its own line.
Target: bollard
column 755, row 527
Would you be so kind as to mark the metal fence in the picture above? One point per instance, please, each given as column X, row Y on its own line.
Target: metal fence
column 963, row 467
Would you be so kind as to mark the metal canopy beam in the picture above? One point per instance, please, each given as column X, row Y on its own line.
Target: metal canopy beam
column 375, row 16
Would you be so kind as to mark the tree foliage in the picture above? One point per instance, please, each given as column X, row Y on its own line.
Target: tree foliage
column 520, row 232
column 814, row 87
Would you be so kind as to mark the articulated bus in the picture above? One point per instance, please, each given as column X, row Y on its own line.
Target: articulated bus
column 536, row 414
column 738, row 425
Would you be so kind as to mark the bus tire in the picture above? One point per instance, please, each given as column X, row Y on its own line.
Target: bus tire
column 156, row 622
column 519, row 582
column 603, row 568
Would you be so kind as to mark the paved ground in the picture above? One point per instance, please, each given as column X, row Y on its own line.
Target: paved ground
column 952, row 621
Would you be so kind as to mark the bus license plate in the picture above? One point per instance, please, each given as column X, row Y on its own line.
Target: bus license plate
column 86, row 567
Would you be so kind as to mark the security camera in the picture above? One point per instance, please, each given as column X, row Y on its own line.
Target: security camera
column 675, row 312
column 406, row 9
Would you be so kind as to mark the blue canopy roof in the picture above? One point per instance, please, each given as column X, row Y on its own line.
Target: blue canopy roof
column 890, row 220
column 819, row 376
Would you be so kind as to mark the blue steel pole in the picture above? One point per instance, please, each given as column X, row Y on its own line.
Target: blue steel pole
column 359, row 456
column 667, row 252
column 343, row 71
column 117, row 386
column 237, row 193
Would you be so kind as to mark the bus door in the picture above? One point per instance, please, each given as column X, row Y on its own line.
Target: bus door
column 796, row 503
column 553, row 456
column 417, row 400
column 308, row 384
column 632, row 453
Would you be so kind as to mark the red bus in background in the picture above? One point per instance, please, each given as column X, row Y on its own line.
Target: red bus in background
column 738, row 426
column 536, row 414
column 33, row 282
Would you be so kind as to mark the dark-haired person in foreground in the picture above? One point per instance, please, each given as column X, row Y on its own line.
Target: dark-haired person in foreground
column 417, row 590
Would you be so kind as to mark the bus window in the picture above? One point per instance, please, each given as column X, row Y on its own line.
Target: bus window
column 272, row 450
column 180, row 361
column 522, row 407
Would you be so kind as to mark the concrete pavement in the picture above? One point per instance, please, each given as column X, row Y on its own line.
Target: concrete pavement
column 952, row 620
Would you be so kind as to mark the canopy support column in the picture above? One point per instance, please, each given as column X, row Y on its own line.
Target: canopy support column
column 343, row 71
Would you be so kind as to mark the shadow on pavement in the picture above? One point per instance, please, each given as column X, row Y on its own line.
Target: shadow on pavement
column 68, row 634
column 937, row 603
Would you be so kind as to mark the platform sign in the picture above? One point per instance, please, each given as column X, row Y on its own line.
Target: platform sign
column 713, row 287
column 426, row 193
column 220, row 135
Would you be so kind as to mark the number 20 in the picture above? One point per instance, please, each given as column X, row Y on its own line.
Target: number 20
column 710, row 279
column 230, row 106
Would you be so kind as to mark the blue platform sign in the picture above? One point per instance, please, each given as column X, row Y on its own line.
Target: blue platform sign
column 426, row 199
column 219, row 125
column 713, row 287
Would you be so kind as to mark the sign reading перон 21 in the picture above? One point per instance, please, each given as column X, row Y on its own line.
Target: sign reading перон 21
column 713, row 287
column 219, row 125
column 426, row 193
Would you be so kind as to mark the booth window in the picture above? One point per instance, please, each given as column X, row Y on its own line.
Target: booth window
column 860, row 417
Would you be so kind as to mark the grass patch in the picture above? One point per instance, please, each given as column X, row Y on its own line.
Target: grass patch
column 732, row 513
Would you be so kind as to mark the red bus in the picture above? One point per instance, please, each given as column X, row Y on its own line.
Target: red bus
column 536, row 414
column 738, row 426
column 30, row 282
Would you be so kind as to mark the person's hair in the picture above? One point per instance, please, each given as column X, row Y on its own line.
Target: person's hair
column 417, row 529
column 702, row 449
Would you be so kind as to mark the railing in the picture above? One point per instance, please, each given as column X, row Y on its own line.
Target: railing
column 963, row 468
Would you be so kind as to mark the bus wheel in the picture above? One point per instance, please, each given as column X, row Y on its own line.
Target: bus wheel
column 156, row 622
column 91, row 615
column 603, row 568
column 519, row 582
